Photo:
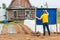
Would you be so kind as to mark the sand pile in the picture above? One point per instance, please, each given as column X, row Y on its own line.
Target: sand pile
column 25, row 33
column 20, row 36
column 18, row 29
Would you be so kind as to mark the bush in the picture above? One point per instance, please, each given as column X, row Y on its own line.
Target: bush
column 1, row 21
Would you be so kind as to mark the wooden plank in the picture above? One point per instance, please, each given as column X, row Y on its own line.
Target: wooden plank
column 26, row 29
column 5, row 29
column 56, row 21
column 18, row 29
column 11, row 29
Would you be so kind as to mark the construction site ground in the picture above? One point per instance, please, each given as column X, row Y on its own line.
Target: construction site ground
column 19, row 36
column 25, row 33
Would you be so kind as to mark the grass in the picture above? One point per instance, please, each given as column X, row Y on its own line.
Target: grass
column 14, row 23
column 58, row 21
column 58, row 17
column 1, row 21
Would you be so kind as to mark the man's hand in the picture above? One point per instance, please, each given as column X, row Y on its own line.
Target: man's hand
column 38, row 18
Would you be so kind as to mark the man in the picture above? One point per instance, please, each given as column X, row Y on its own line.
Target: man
column 44, row 18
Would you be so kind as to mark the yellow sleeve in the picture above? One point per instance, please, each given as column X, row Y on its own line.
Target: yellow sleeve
column 41, row 16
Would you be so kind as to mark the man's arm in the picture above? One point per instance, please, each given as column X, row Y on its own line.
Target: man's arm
column 47, row 12
column 38, row 18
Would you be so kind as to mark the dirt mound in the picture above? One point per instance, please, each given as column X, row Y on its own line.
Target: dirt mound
column 22, row 30
column 19, row 36
column 5, row 29
column 19, row 29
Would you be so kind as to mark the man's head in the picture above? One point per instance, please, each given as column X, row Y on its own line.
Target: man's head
column 44, row 11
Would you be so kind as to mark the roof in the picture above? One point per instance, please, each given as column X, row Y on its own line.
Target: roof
column 14, row 0
column 31, row 8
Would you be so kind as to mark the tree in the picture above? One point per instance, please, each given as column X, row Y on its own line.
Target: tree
column 46, row 5
column 41, row 6
column 4, row 6
column 0, row 7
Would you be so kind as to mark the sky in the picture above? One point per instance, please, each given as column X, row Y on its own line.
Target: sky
column 37, row 3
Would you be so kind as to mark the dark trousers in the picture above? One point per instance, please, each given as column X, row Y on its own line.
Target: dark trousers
column 45, row 25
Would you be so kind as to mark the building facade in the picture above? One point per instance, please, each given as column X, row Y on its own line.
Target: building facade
column 20, row 10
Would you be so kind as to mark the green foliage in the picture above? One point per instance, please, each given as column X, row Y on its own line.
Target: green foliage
column 4, row 6
column 46, row 4
column 1, row 21
column 41, row 6
column 14, row 23
column 0, row 7
column 58, row 16
column 58, row 21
